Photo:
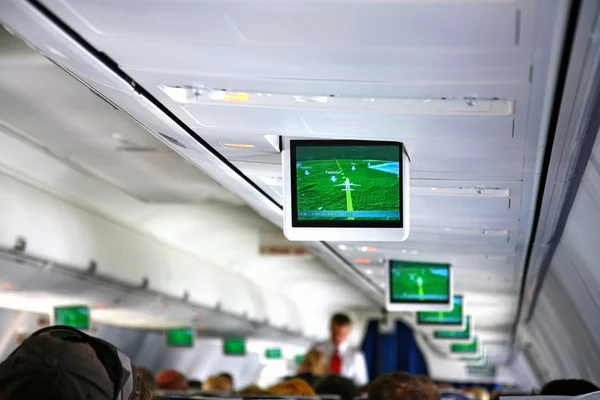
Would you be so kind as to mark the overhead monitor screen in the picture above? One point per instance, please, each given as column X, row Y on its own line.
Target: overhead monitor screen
column 75, row 316
column 345, row 190
column 299, row 358
column 459, row 334
column 453, row 317
column 180, row 337
column 466, row 348
column 346, row 183
column 419, row 286
column 273, row 354
column 234, row 347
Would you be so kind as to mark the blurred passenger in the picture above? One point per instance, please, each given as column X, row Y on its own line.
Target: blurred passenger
column 568, row 387
column 430, row 388
column 253, row 390
column 147, row 376
column 397, row 386
column 312, row 368
column 217, row 383
column 194, row 384
column 338, row 385
column 344, row 359
column 445, row 386
column 293, row 387
column 229, row 378
column 479, row 393
column 170, row 379
column 58, row 362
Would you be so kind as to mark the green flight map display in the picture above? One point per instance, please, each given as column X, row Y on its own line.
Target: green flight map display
column 466, row 348
column 75, row 316
column 455, row 334
column 234, row 347
column 416, row 282
column 180, row 337
column 347, row 181
column 453, row 317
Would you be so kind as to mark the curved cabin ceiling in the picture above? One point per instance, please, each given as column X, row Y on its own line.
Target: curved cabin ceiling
column 477, row 89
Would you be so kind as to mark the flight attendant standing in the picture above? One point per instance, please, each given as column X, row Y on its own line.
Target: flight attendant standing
column 344, row 359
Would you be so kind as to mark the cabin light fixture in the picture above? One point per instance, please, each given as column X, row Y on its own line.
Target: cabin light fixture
column 239, row 145
column 368, row 248
column 369, row 271
column 5, row 286
column 491, row 106
column 362, row 261
column 460, row 191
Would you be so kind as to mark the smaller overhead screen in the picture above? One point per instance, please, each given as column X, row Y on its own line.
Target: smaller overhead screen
column 456, row 334
column 180, row 337
column 472, row 347
column 419, row 286
column 347, row 190
column 274, row 354
column 299, row 358
column 75, row 316
column 453, row 317
column 234, row 347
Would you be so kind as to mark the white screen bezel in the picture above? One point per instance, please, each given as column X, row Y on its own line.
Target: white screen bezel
column 414, row 307
column 348, row 234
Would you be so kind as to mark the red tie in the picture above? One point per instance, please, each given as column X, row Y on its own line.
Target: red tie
column 336, row 363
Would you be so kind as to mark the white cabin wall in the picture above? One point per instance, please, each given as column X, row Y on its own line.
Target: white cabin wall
column 566, row 319
column 59, row 231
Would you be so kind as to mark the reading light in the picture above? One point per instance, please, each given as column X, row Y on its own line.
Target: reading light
column 342, row 247
column 363, row 261
column 369, row 271
column 368, row 248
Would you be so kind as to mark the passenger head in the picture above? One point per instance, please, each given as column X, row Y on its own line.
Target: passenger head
column 61, row 362
column 568, row 387
column 430, row 388
column 314, row 362
column 229, row 378
column 397, row 386
column 340, row 328
column 217, row 383
column 170, row 379
column 253, row 390
column 479, row 393
column 338, row 385
column 195, row 384
column 43, row 367
column 147, row 376
column 293, row 387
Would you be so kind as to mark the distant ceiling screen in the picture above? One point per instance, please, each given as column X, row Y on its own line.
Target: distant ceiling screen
column 234, row 347
column 458, row 334
column 180, row 337
column 469, row 348
column 419, row 286
column 345, row 190
column 75, row 316
column 453, row 317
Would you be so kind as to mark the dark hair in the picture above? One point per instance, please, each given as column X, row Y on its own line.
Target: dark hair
column 568, row 387
column 397, row 386
column 431, row 389
column 195, row 384
column 227, row 376
column 341, row 319
column 335, row 384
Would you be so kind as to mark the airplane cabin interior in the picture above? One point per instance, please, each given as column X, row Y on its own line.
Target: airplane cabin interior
column 233, row 189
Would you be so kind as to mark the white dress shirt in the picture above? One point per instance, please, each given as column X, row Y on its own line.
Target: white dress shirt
column 354, row 365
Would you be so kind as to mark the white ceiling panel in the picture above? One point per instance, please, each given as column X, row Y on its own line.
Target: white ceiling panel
column 470, row 204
